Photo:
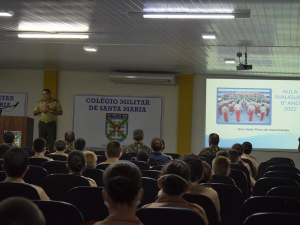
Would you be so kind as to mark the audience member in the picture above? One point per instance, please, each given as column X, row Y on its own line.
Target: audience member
column 76, row 164
column 113, row 152
column 122, row 193
column 91, row 159
column 246, row 155
column 174, row 181
column 221, row 166
column 20, row 211
column 39, row 147
column 206, row 173
column 15, row 166
column 60, row 147
column 196, row 166
column 223, row 153
column 156, row 146
column 79, row 144
column 9, row 139
column 69, row 139
column 138, row 137
column 213, row 145
column 3, row 149
column 142, row 156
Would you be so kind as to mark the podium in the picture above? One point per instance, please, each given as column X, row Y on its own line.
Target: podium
column 18, row 123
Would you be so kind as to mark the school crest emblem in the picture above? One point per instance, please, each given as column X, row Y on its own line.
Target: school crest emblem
column 116, row 126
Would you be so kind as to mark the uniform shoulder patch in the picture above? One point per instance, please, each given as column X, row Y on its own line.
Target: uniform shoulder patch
column 41, row 100
column 55, row 100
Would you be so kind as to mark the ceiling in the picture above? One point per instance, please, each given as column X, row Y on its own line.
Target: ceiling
column 126, row 43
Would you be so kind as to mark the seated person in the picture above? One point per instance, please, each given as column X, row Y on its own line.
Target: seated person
column 223, row 153
column 76, row 164
column 79, row 144
column 174, row 181
column 213, row 145
column 60, row 147
column 122, row 193
column 113, row 152
column 91, row 159
column 142, row 156
column 69, row 139
column 196, row 166
column 15, row 166
column 39, row 147
column 246, row 155
column 20, row 211
column 157, row 147
column 3, row 149
column 206, row 173
column 9, row 139
column 138, row 138
column 240, row 149
column 221, row 166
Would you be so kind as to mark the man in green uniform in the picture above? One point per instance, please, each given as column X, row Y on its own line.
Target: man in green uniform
column 213, row 145
column 48, row 109
column 69, row 139
column 138, row 137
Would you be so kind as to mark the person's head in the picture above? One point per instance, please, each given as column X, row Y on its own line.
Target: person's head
column 20, row 211
column 3, row 149
column 15, row 162
column 69, row 137
column 156, row 145
column 175, row 176
column 223, row 153
column 8, row 137
column 46, row 94
column 91, row 159
column 234, row 156
column 60, row 145
column 221, row 166
column 76, row 161
column 247, row 148
column 213, row 139
column 239, row 148
column 39, row 145
column 142, row 156
column 113, row 149
column 122, row 184
column 138, row 135
column 196, row 166
column 79, row 144
column 206, row 173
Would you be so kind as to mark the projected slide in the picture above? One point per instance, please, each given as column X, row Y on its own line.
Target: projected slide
column 263, row 112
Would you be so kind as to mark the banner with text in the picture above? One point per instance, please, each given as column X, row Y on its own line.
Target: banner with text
column 13, row 103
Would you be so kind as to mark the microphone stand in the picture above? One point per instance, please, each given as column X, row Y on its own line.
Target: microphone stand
column 8, row 107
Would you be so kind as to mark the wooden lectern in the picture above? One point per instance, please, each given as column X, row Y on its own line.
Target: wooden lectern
column 18, row 123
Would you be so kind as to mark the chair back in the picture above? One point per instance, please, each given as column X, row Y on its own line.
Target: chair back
column 96, row 175
column 37, row 161
column 102, row 166
column 141, row 165
column 152, row 162
column 126, row 156
column 231, row 202
column 54, row 167
column 250, row 164
column 2, row 176
column 132, row 154
column 151, row 190
column 89, row 201
column 206, row 159
column 282, row 168
column 168, row 216
column 173, row 155
column 157, row 168
column 1, row 162
column 243, row 169
column 30, row 153
column 59, row 213
column 289, row 161
column 58, row 157
column 101, row 158
column 241, row 182
column 206, row 203
column 273, row 218
column 18, row 190
column 284, row 174
column 263, row 185
column 288, row 192
column 57, row 186
column 35, row 175
column 154, row 174
column 99, row 152
column 222, row 179
column 264, row 166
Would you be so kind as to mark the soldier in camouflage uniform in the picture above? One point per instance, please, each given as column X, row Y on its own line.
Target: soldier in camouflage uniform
column 69, row 139
column 138, row 137
column 213, row 145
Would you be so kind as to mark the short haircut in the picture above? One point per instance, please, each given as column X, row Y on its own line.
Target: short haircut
column 113, row 149
column 138, row 135
column 39, row 144
column 214, row 138
column 47, row 90
column 156, row 144
column 234, row 155
column 91, row 159
column 15, row 162
column 79, row 144
column 247, row 147
column 223, row 153
column 142, row 156
column 195, row 164
column 60, row 145
column 8, row 137
column 221, row 165
column 69, row 137
column 207, row 173
column 3, row 149
column 173, row 185
column 122, row 182
column 21, row 211
column 76, row 161
column 239, row 148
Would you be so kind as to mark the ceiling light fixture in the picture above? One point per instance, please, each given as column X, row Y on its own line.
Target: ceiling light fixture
column 59, row 36
column 53, row 27
column 8, row 13
column 90, row 48
column 209, row 36
column 229, row 61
